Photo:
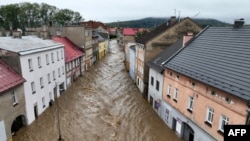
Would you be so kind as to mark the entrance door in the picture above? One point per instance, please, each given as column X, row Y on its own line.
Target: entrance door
column 35, row 111
column 151, row 100
column 188, row 133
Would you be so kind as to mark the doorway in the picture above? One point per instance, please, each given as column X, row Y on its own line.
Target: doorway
column 188, row 132
column 35, row 111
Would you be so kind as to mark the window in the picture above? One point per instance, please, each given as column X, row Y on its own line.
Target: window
column 193, row 84
column 52, row 57
column 213, row 92
column 57, row 54
column 190, row 103
column 39, row 62
column 47, row 59
column 14, row 98
column 209, row 116
column 30, row 64
column 54, row 75
column 43, row 101
column 62, row 69
column 169, row 90
column 177, row 77
column 61, row 54
column 170, row 73
column 33, row 89
column 223, row 121
column 176, row 94
column 41, row 82
column 59, row 72
column 157, row 85
column 152, row 80
column 49, row 80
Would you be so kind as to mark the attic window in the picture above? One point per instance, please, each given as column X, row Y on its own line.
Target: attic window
column 170, row 73
column 193, row 84
column 213, row 93
column 177, row 77
column 228, row 100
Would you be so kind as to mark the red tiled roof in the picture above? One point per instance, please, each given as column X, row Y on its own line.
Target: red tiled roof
column 71, row 50
column 94, row 24
column 8, row 77
column 130, row 31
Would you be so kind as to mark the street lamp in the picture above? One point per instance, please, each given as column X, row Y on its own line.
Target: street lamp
column 58, row 117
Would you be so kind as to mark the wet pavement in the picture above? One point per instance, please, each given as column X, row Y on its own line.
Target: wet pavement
column 102, row 105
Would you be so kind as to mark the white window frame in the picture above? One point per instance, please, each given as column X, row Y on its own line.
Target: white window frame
column 52, row 57
column 57, row 54
column 41, row 82
column 223, row 121
column 176, row 92
column 61, row 54
column 47, row 59
column 43, row 102
column 30, row 64
column 191, row 103
column 210, row 115
column 14, row 98
column 62, row 69
column 49, row 78
column 59, row 72
column 169, row 90
column 33, row 88
column 54, row 75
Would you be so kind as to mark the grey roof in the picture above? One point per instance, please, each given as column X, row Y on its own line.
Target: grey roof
column 219, row 57
column 156, row 62
column 27, row 44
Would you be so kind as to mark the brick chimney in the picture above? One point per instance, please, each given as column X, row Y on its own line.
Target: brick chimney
column 186, row 38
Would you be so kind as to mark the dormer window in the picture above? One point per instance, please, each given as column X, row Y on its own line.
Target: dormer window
column 177, row 77
column 170, row 73
column 213, row 92
column 228, row 100
column 193, row 84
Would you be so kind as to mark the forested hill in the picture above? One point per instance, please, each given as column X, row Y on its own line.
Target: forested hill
column 154, row 22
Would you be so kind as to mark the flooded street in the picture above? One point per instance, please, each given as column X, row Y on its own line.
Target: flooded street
column 102, row 105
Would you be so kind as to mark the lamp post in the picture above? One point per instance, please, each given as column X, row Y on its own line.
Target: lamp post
column 58, row 117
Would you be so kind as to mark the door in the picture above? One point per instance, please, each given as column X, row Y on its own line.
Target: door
column 188, row 133
column 151, row 101
column 35, row 111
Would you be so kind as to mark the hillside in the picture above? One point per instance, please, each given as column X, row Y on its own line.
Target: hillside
column 152, row 22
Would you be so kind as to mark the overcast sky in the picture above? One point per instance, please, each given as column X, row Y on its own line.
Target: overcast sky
column 122, row 10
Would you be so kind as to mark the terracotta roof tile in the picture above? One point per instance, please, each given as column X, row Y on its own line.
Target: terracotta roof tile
column 8, row 77
column 71, row 50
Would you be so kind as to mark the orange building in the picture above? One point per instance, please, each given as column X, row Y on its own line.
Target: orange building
column 206, row 84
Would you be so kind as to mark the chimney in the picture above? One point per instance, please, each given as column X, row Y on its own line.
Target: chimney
column 172, row 20
column 17, row 34
column 186, row 38
column 238, row 23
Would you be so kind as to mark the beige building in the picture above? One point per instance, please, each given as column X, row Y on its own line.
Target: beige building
column 206, row 84
column 156, row 41
column 12, row 102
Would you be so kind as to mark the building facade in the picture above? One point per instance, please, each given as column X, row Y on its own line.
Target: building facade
column 204, row 91
column 12, row 102
column 41, row 63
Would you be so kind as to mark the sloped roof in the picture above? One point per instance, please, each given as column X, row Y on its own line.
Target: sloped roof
column 156, row 62
column 71, row 50
column 159, row 30
column 219, row 57
column 94, row 24
column 8, row 77
column 102, row 36
column 129, row 31
column 27, row 44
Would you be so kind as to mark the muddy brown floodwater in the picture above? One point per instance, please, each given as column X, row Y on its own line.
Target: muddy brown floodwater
column 102, row 105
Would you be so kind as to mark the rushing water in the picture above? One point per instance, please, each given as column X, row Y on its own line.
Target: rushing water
column 103, row 105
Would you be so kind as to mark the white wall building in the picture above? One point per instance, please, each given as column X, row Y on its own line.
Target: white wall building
column 42, row 65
